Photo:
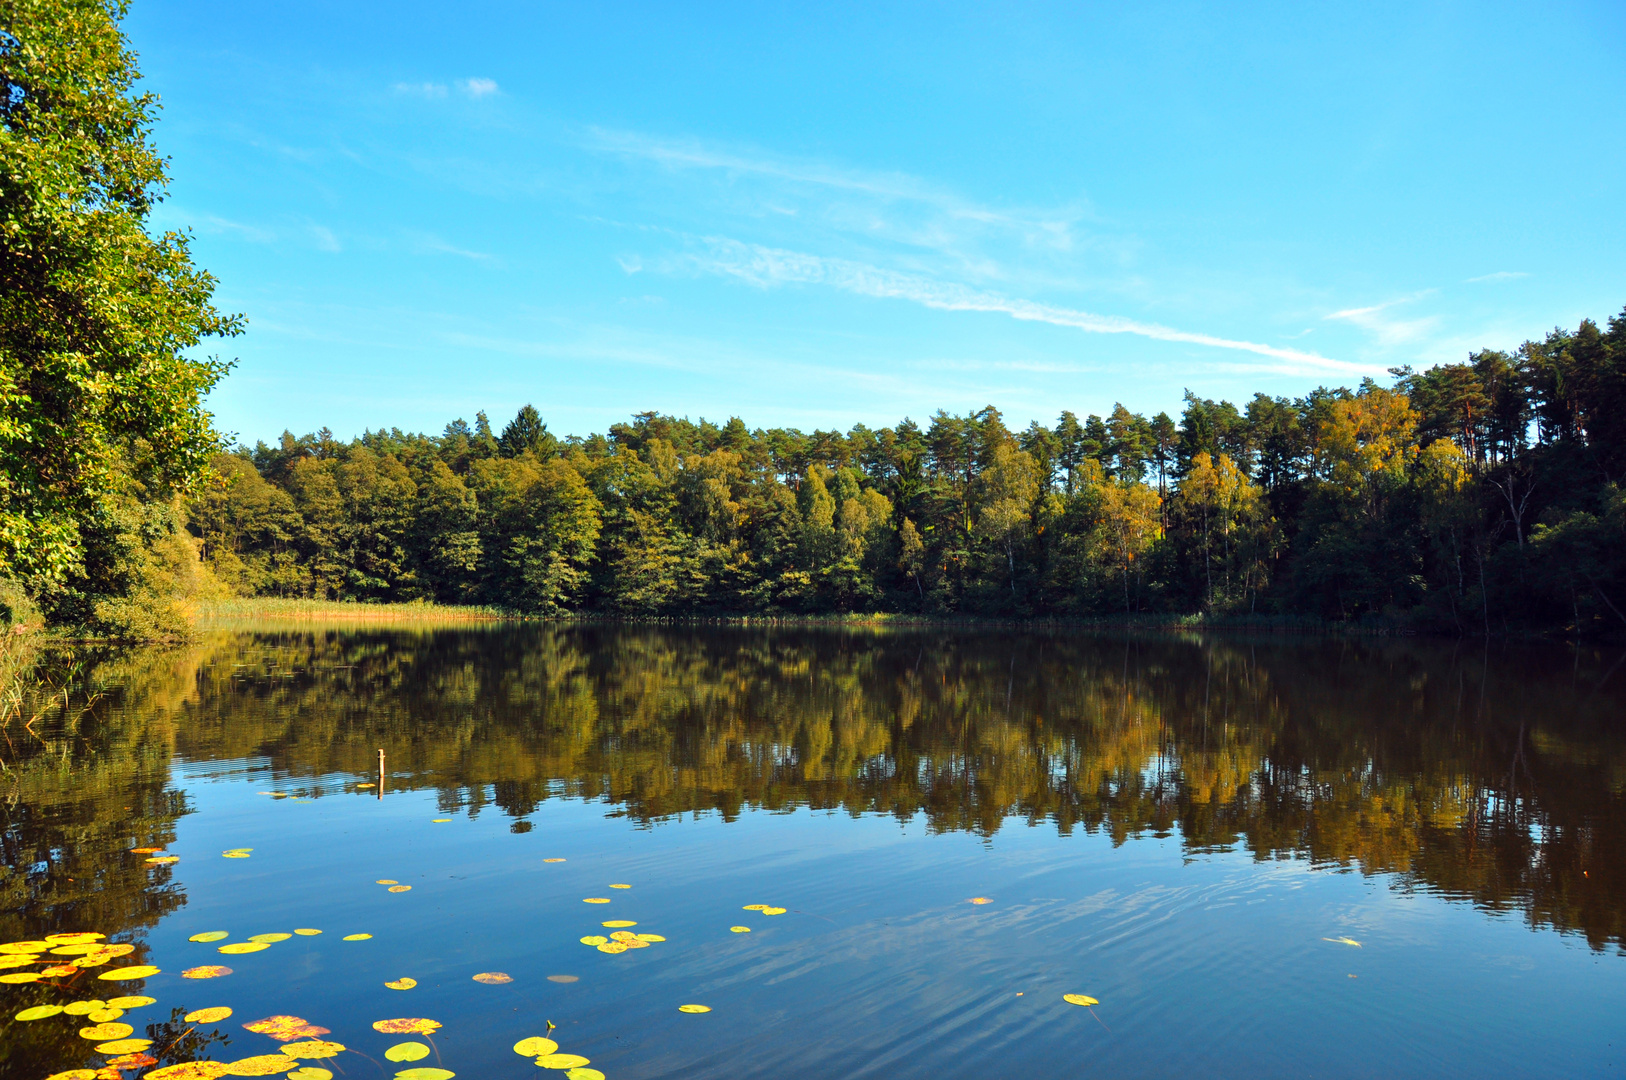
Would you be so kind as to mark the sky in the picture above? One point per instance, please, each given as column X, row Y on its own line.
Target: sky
column 825, row 214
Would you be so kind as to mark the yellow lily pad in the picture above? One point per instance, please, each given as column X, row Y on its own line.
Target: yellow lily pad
column 399, row 888
column 103, row 1032
column 270, row 939
column 190, row 1070
column 553, row 860
column 755, row 907
column 773, row 911
column 39, row 1012
column 357, row 937
column 28, row 947
column 535, row 1046
column 561, row 1061
column 20, row 977
column 134, row 1001
column 612, row 947
column 79, row 938
column 596, row 900
column 139, row 971
column 310, row 1072
column 407, row 1051
column 307, row 932
column 493, row 978
column 207, row 971
column 210, row 935
column 386, row 881
column 123, row 1046
column 425, row 1074
column 1079, row 999
column 439, row 820
column 739, row 929
column 650, row 937
column 164, row 860
column 411, row 1025
column 620, row 886
column 241, row 947
column 315, row 1048
column 402, row 984
column 594, row 939
column 18, row 960
column 982, row 900
column 104, row 1016
column 619, row 923
column 212, row 1015
column 583, row 1074
column 260, row 1065
column 75, row 1074
column 694, row 1008
column 83, row 1008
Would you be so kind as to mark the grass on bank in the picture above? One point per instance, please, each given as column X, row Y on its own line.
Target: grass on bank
column 264, row 608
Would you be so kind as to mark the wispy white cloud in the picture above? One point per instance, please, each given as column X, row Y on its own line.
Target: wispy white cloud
column 478, row 87
column 767, row 267
column 1500, row 275
column 1053, row 228
column 324, row 238
column 1388, row 329
column 426, row 90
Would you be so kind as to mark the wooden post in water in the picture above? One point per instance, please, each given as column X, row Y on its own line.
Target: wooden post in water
column 381, row 773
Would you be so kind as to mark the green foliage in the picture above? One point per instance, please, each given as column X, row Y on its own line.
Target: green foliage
column 1422, row 503
column 98, row 397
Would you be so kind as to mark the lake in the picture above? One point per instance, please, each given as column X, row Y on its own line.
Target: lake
column 1331, row 857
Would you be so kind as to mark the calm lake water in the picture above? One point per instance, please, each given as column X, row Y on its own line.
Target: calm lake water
column 1330, row 858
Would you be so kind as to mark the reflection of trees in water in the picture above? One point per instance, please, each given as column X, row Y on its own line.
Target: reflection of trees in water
column 1494, row 777
column 85, row 778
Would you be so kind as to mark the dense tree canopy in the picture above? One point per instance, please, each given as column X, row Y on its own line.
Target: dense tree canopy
column 101, row 416
column 1471, row 497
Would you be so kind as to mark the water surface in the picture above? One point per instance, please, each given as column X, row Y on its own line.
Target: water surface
column 1196, row 832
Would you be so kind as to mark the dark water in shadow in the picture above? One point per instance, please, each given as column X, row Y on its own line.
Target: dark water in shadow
column 1182, row 829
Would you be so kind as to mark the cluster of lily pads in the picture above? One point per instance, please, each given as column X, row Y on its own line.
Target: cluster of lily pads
column 545, row 1052
column 58, row 956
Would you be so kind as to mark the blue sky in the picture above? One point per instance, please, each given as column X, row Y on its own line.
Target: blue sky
column 822, row 215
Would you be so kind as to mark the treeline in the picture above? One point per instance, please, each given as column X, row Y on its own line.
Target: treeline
column 1475, row 497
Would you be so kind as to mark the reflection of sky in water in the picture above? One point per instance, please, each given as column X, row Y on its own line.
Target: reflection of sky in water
column 1223, row 802
column 880, row 967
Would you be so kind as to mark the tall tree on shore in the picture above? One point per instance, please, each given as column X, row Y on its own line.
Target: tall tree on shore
column 101, row 404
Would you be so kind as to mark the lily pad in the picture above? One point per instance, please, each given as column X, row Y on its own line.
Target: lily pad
column 596, row 900
column 310, row 1072
column 123, row 1046
column 104, row 1032
column 400, row 888
column 982, row 900
column 755, row 907
column 407, row 1051
column 535, row 1046
column 1079, row 999
column 402, row 984
column 694, row 1008
column 650, row 937
column 307, row 932
column 285, row 1028
column 612, row 947
column 357, row 937
column 619, row 923
column 561, row 1061
column 139, row 971
column 315, row 1048
column 553, row 860
column 583, row 1074
column 594, row 939
column 411, row 1025
column 773, row 911
column 241, row 947
column 39, row 1012
column 212, row 1015
column 20, row 977
column 189, row 1070
column 135, row 1001
column 425, row 1074
column 493, row 978
column 739, row 929
column 260, row 1065
column 210, row 935
column 270, row 939
column 207, row 971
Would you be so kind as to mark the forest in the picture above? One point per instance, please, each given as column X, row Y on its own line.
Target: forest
column 1481, row 497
